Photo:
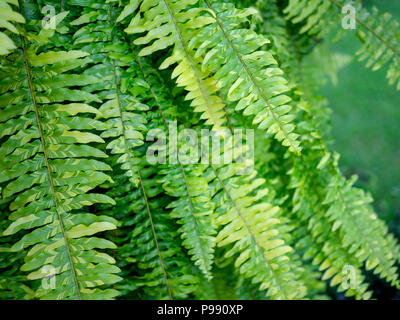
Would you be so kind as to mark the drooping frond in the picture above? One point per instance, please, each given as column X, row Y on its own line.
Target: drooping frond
column 249, row 229
column 188, row 184
column 193, row 209
column 361, row 230
column 154, row 265
column 381, row 44
column 318, row 239
column 170, row 23
column 305, row 67
column 48, row 168
column 245, row 72
column 347, row 220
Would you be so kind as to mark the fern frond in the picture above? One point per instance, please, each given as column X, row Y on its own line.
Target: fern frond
column 193, row 209
column 189, row 185
column 169, row 23
column 42, row 158
column 317, row 238
column 245, row 72
column 175, row 267
column 250, row 227
column 150, row 254
column 381, row 44
column 361, row 229
column 325, row 213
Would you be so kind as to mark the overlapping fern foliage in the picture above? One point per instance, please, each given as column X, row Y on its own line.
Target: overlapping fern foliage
column 86, row 215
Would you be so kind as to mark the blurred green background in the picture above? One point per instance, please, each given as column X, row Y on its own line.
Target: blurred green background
column 366, row 124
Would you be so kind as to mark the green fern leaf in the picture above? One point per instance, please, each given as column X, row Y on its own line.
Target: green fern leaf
column 51, row 186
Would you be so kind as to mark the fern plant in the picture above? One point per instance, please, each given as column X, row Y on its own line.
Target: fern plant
column 98, row 198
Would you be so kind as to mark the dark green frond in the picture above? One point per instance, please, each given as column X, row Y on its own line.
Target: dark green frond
column 42, row 156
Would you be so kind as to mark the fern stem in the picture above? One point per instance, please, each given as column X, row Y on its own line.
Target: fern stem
column 155, row 236
column 51, row 182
